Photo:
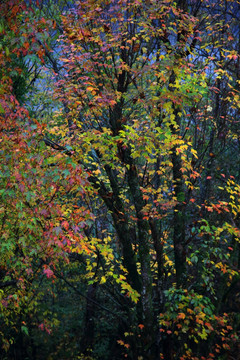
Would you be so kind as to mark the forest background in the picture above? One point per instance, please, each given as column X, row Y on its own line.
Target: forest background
column 120, row 179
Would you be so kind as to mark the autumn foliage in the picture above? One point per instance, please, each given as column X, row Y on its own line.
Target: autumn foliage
column 119, row 209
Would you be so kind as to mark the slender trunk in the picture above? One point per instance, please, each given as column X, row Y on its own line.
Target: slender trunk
column 144, row 257
column 158, row 246
column 179, row 221
column 88, row 338
column 179, row 209
column 206, row 188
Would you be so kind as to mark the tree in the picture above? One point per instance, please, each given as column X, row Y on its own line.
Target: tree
column 32, row 240
column 131, row 80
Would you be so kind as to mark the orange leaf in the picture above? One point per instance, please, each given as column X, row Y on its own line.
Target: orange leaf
column 181, row 316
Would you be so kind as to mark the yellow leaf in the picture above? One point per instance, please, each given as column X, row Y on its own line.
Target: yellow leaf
column 103, row 280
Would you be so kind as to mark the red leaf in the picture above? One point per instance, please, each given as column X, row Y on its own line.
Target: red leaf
column 48, row 272
column 65, row 224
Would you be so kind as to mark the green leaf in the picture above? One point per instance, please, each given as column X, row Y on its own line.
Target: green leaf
column 1, row 110
column 24, row 329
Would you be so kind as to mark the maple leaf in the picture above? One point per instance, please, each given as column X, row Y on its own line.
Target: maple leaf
column 181, row 316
